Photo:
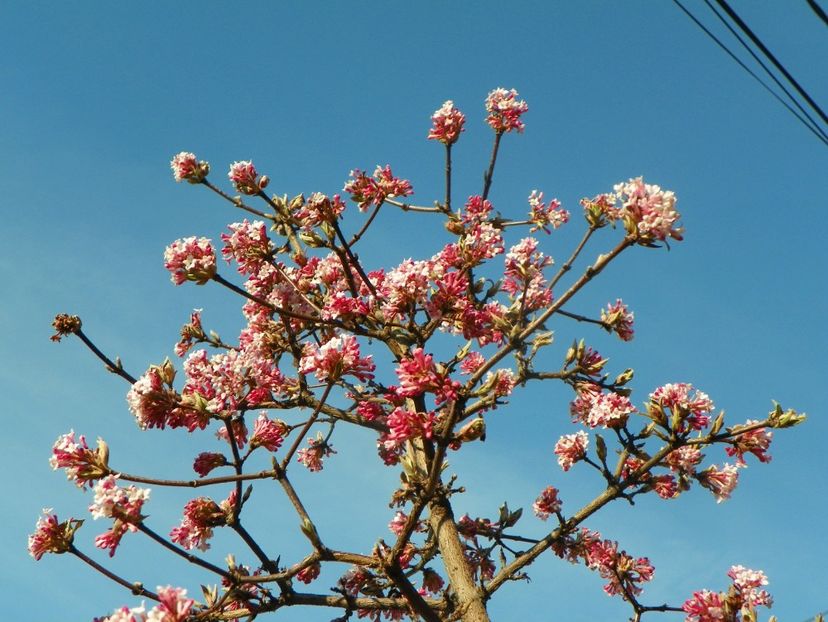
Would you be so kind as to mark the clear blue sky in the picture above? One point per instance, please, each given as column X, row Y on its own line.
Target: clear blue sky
column 96, row 98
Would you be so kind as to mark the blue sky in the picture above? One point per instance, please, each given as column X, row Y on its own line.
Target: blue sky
column 99, row 96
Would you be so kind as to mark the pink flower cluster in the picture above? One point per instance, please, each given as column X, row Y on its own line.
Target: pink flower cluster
column 624, row 573
column 692, row 406
column 337, row 357
column 207, row 461
column 543, row 215
column 547, row 503
column 504, row 110
column 268, row 433
column 190, row 332
column 190, row 259
column 648, row 211
column 82, row 465
column 447, row 124
column 248, row 245
column 319, row 208
column 246, row 179
column 200, row 516
column 523, row 277
column 404, row 425
column 121, row 504
column 608, row 410
column 52, row 536
column 185, row 166
column 618, row 318
column 756, row 442
column 738, row 603
column 721, row 482
column 173, row 606
column 316, row 451
column 419, row 374
column 309, row 574
column 571, row 448
column 366, row 191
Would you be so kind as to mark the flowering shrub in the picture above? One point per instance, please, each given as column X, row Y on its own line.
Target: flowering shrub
column 317, row 319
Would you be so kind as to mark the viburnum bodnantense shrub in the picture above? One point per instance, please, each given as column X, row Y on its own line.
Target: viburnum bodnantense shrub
column 303, row 367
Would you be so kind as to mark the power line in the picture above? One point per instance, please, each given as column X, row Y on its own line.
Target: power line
column 751, row 72
column 818, row 10
column 796, row 103
column 746, row 29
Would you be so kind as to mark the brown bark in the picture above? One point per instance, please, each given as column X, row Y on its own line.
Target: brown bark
column 470, row 601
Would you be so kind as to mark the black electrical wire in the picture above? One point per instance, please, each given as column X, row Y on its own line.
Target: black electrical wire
column 750, row 71
column 744, row 28
column 767, row 70
column 818, row 10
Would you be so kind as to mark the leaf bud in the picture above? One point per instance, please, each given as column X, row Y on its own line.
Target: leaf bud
column 600, row 447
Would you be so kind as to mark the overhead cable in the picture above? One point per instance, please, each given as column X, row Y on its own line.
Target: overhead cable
column 718, row 42
column 744, row 27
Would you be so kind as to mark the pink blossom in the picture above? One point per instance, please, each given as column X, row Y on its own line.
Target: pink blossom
column 477, row 209
column 684, row 459
column 504, row 110
column 418, row 374
column 618, row 318
column 245, row 178
column 756, row 442
column 239, row 432
column 316, row 451
column 648, row 211
column 406, row 286
column 309, row 573
column 83, row 465
column 624, row 573
column 150, row 401
column 121, row 504
column 571, row 448
column 397, row 523
column 196, row 528
column 319, row 208
column 482, row 241
column 366, row 191
column 547, row 503
column 523, row 277
column 502, row 382
column 543, row 215
column 248, row 245
column 207, row 461
column 705, row 606
column 608, row 410
column 337, row 357
column 690, row 404
column 186, row 166
column 370, row 410
column 190, row 332
column 601, row 210
column 190, row 259
column 268, row 433
column 174, row 606
column 665, row 486
column 721, row 482
column 52, row 536
column 472, row 362
column 404, row 425
column 125, row 614
column 748, row 583
column 220, row 384
column 447, row 123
